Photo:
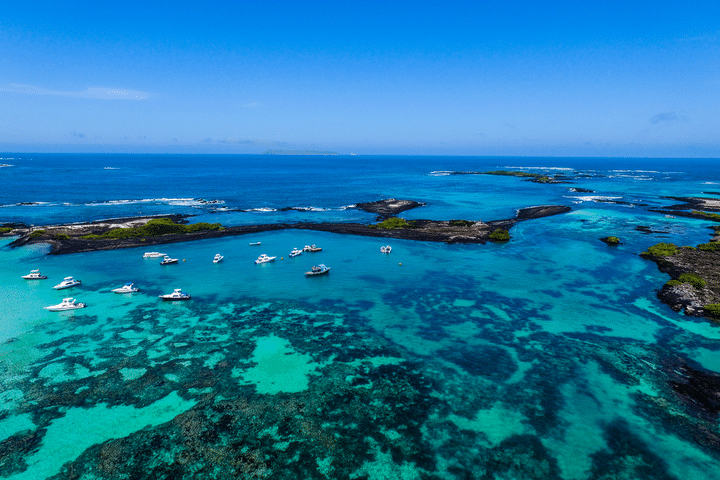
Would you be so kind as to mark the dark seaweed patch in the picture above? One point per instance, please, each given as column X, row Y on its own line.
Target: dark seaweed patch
column 628, row 457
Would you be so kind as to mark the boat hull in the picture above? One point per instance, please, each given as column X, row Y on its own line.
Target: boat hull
column 322, row 272
column 64, row 309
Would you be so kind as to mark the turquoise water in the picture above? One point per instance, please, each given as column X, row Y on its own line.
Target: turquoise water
column 546, row 357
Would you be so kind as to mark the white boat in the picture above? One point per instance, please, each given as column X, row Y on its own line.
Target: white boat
column 386, row 249
column 218, row 258
column 34, row 275
column 252, row 244
column 177, row 294
column 295, row 252
column 311, row 248
column 66, row 304
column 153, row 254
column 319, row 270
column 67, row 283
column 264, row 259
column 127, row 288
column 167, row 260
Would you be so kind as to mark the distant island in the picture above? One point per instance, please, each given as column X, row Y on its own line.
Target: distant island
column 298, row 152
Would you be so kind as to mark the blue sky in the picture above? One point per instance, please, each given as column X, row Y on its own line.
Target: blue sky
column 438, row 78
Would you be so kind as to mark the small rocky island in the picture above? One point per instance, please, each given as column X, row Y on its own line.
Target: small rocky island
column 149, row 231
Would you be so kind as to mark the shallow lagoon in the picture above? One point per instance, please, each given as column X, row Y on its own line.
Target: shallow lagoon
column 546, row 357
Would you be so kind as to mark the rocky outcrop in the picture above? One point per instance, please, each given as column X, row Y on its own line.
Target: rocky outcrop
column 696, row 205
column 612, row 241
column 692, row 299
column 686, row 297
column 67, row 238
column 390, row 207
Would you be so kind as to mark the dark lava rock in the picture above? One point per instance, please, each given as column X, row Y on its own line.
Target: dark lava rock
column 705, row 264
column 695, row 203
column 64, row 240
column 581, row 190
column 530, row 213
column 685, row 297
column 389, row 207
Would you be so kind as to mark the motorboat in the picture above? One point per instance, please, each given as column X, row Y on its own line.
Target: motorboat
column 66, row 304
column 167, row 260
column 295, row 252
column 264, row 259
column 67, row 283
column 154, row 255
column 218, row 258
column 177, row 294
column 127, row 288
column 253, row 244
column 34, row 275
column 386, row 249
column 311, row 248
column 318, row 270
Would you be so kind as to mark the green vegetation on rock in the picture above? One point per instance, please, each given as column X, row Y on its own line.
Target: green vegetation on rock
column 153, row 228
column 61, row 236
column 661, row 250
column 392, row 223
column 709, row 247
column 692, row 279
column 708, row 215
column 461, row 223
column 4, row 230
column 500, row 235
column 713, row 310
column 543, row 179
column 612, row 240
column 37, row 233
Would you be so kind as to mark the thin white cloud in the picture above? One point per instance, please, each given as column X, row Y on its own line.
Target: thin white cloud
column 91, row 93
column 667, row 117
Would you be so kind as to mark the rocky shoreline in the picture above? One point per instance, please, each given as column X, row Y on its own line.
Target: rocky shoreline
column 65, row 239
column 691, row 296
column 696, row 205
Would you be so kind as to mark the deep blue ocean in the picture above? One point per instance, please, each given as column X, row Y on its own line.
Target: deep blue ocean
column 548, row 356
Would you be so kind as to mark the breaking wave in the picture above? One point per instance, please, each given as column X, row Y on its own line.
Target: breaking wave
column 590, row 198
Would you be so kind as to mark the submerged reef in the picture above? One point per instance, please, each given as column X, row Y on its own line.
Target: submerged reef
column 121, row 233
column 286, row 390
